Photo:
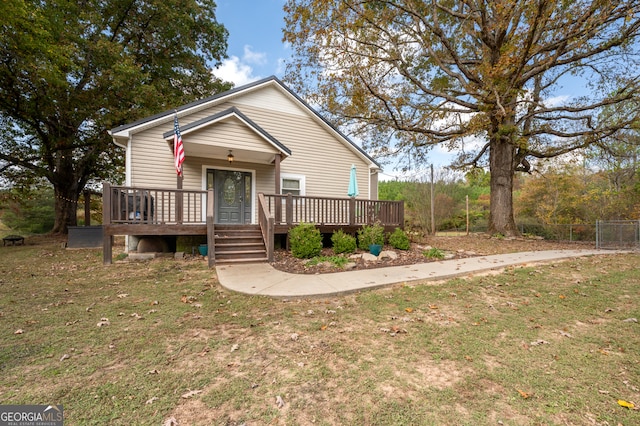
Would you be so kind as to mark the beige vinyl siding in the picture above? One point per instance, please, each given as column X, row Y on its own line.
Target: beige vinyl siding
column 270, row 97
column 228, row 134
column 316, row 152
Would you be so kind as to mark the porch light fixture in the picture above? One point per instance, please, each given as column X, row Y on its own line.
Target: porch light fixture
column 230, row 157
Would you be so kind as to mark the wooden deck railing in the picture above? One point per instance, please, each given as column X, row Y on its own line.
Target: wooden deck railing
column 155, row 211
column 293, row 209
column 156, row 206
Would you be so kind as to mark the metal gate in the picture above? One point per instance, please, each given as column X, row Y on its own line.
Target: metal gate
column 618, row 234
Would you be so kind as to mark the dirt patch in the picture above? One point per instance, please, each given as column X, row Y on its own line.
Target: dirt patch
column 458, row 247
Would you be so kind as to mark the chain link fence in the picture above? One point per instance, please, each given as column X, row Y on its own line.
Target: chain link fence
column 569, row 232
column 605, row 234
column 618, row 234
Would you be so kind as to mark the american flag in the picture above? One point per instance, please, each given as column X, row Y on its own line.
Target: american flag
column 178, row 148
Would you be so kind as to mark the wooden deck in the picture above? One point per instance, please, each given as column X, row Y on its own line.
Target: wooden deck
column 174, row 212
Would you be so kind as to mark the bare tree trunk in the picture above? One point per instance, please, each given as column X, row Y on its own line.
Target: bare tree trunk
column 501, row 166
column 66, row 205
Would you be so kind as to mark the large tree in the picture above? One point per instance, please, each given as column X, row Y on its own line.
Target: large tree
column 406, row 75
column 70, row 70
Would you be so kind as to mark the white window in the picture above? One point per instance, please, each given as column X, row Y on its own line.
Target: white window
column 292, row 184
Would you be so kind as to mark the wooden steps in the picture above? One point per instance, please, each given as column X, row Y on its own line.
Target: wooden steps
column 239, row 244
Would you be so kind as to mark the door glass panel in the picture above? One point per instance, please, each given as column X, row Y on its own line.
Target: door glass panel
column 229, row 191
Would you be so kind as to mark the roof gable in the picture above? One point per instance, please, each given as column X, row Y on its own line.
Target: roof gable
column 228, row 114
column 124, row 132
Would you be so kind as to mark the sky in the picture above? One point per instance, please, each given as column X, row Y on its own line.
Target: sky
column 255, row 46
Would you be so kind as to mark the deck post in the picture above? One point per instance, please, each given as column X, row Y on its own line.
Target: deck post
column 289, row 209
column 270, row 239
column 107, row 238
column 352, row 211
column 278, row 186
column 211, row 236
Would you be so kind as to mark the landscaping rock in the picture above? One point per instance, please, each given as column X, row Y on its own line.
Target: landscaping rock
column 368, row 257
column 388, row 254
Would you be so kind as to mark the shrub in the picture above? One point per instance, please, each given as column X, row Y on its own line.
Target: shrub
column 343, row 242
column 370, row 234
column 305, row 241
column 337, row 261
column 433, row 253
column 399, row 239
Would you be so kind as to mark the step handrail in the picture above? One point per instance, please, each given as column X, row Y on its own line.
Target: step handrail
column 267, row 226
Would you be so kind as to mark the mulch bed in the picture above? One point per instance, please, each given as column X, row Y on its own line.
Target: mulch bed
column 454, row 248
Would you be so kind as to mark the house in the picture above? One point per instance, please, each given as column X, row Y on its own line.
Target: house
column 258, row 160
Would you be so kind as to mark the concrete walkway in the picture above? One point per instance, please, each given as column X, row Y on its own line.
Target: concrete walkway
column 263, row 279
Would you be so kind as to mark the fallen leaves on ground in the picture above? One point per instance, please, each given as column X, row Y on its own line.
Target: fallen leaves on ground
column 524, row 394
column 103, row 322
column 171, row 421
column 539, row 342
column 187, row 299
column 189, row 394
column 627, row 404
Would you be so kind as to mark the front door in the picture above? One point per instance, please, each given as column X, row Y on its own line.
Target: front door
column 232, row 191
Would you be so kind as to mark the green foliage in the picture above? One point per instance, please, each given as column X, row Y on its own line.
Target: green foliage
column 74, row 70
column 31, row 212
column 343, row 242
column 391, row 190
column 433, row 253
column 450, row 193
column 399, row 239
column 574, row 194
column 305, row 241
column 338, row 261
column 370, row 234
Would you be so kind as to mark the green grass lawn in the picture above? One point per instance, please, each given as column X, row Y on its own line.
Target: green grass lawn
column 139, row 343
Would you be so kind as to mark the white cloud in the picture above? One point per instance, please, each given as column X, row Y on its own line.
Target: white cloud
column 281, row 66
column 556, row 100
column 241, row 71
column 251, row 57
column 235, row 71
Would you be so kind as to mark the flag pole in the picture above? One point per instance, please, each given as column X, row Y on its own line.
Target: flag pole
column 178, row 153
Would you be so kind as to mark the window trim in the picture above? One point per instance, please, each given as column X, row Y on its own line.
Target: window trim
column 291, row 176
